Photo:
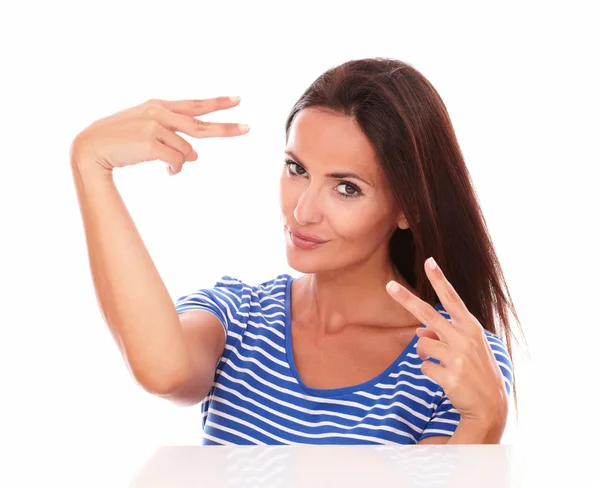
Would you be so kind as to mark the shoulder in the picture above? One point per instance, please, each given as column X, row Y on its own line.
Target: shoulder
column 229, row 280
column 273, row 286
column 502, row 358
column 235, row 290
column 226, row 287
column 276, row 288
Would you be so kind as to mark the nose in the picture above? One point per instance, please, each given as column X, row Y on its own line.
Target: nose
column 308, row 209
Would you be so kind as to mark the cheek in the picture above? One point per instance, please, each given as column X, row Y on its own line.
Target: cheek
column 362, row 222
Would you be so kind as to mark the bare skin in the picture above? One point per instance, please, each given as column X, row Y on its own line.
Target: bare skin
column 169, row 355
column 347, row 327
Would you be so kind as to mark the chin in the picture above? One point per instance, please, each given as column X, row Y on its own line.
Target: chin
column 304, row 264
column 309, row 261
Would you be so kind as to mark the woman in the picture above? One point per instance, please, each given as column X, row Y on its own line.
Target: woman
column 374, row 343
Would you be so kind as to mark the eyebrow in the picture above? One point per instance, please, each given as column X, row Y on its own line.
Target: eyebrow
column 330, row 175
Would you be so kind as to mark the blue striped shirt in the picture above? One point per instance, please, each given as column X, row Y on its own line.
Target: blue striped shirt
column 258, row 396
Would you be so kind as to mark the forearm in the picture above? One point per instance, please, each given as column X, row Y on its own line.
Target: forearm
column 131, row 294
column 477, row 433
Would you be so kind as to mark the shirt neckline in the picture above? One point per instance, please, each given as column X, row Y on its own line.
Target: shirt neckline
column 330, row 392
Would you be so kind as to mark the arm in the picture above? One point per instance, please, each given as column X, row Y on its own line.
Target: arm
column 469, row 434
column 438, row 439
column 155, row 342
column 470, row 363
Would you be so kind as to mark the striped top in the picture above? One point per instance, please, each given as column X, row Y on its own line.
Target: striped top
column 258, row 396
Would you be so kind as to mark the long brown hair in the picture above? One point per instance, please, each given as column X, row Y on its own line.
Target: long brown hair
column 408, row 124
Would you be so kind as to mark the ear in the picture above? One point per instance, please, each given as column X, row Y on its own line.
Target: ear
column 402, row 222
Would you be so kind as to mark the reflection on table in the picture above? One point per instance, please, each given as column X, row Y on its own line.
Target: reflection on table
column 490, row 466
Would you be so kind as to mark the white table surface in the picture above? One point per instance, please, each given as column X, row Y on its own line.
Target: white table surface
column 488, row 466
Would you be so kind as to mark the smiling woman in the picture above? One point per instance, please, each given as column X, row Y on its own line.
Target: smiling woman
column 372, row 184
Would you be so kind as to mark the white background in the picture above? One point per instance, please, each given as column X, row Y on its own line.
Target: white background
column 521, row 85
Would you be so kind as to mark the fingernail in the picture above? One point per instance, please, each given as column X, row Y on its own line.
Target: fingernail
column 393, row 287
column 243, row 126
column 431, row 264
column 234, row 99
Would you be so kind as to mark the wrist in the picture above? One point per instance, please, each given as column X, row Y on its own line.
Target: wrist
column 84, row 163
column 485, row 429
column 478, row 432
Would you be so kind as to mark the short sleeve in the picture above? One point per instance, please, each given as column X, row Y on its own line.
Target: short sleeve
column 444, row 420
column 445, row 417
column 223, row 301
column 503, row 359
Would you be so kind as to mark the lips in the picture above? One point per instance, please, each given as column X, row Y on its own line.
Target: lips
column 308, row 237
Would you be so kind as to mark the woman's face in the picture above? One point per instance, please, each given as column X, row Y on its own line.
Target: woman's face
column 333, row 188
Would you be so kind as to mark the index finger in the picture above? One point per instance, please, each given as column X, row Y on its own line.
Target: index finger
column 196, row 107
column 428, row 315
column 192, row 126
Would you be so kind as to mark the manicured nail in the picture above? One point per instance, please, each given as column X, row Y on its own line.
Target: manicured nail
column 393, row 287
column 234, row 99
column 431, row 264
column 243, row 126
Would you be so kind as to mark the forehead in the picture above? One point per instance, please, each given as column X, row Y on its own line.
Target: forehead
column 331, row 142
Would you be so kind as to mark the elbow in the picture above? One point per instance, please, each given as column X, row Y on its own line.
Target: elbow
column 162, row 387
column 158, row 383
column 179, row 382
column 178, row 389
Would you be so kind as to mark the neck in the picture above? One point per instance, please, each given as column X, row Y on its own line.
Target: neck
column 331, row 301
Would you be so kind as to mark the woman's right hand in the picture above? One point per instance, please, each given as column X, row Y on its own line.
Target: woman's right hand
column 147, row 132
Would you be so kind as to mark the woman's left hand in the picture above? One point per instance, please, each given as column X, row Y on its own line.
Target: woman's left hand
column 468, row 371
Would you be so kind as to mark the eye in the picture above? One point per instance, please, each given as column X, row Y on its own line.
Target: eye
column 352, row 190
column 298, row 171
